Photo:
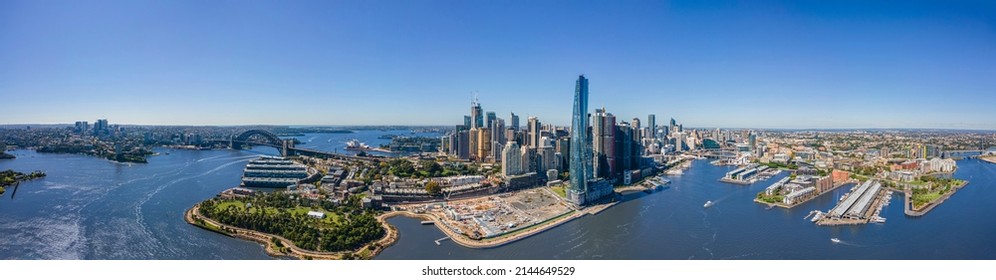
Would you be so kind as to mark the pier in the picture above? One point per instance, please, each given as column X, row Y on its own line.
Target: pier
column 862, row 205
column 441, row 240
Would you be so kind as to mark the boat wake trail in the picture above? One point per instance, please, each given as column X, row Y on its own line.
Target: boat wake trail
column 841, row 242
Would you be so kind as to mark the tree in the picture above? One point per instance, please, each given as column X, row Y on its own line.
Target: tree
column 433, row 187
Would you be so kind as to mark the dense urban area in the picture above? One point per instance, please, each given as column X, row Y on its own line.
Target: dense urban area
column 490, row 180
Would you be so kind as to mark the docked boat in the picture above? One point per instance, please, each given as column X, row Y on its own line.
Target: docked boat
column 708, row 204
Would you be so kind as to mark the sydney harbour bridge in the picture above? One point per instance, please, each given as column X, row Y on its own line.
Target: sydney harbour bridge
column 258, row 137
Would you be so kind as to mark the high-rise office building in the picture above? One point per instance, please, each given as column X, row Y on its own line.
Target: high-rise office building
column 597, row 151
column 81, row 127
column 483, row 144
column 636, row 129
column 498, row 132
column 462, row 146
column 489, row 120
column 528, row 159
column 466, row 122
column 624, row 145
column 514, row 121
column 511, row 159
column 581, row 157
column 473, row 143
column 652, row 124
column 534, row 132
column 476, row 117
column 101, row 127
column 752, row 140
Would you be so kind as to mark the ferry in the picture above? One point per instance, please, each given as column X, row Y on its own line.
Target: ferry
column 708, row 204
column 835, row 240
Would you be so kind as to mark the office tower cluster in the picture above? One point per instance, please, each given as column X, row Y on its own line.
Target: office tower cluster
column 597, row 151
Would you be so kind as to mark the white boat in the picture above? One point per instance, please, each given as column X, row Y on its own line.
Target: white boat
column 835, row 240
column 708, row 204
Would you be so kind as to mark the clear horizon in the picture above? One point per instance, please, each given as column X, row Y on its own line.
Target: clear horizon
column 773, row 65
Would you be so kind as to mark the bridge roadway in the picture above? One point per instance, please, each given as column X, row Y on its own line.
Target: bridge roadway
column 285, row 146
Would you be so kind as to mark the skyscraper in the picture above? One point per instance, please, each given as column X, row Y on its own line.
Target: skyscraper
column 652, row 124
column 514, row 119
column 534, row 132
column 511, row 159
column 466, row 122
column 476, row 117
column 489, row 120
column 580, row 163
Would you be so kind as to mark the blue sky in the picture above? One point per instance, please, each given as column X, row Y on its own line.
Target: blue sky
column 779, row 64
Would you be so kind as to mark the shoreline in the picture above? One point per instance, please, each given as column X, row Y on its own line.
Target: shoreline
column 991, row 159
column 908, row 205
column 507, row 238
column 265, row 239
column 834, row 187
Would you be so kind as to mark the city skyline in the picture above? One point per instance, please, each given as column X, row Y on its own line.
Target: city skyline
column 755, row 65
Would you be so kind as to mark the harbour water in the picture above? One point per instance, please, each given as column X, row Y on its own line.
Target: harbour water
column 672, row 224
column 336, row 142
column 90, row 208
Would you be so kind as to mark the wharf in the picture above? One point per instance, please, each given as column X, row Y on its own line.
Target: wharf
column 871, row 214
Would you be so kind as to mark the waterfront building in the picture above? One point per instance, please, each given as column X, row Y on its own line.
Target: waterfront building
column 583, row 189
column 624, row 147
column 269, row 172
column 839, row 176
column 511, row 159
column 603, row 144
column 798, row 195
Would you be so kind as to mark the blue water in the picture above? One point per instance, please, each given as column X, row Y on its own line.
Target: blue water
column 672, row 224
column 336, row 142
column 90, row 208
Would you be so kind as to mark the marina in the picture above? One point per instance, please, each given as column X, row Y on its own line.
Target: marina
column 863, row 204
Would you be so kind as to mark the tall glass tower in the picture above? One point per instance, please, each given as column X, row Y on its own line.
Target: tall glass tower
column 580, row 163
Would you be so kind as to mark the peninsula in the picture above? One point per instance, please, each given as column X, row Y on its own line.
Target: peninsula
column 10, row 177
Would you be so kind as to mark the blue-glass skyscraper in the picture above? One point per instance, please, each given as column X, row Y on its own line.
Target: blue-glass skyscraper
column 580, row 147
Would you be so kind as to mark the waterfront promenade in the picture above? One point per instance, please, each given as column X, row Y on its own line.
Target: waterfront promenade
column 506, row 238
column 989, row 159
